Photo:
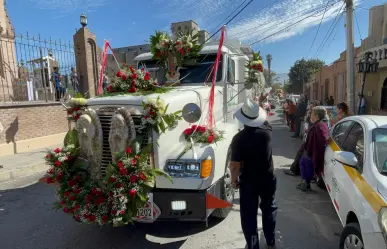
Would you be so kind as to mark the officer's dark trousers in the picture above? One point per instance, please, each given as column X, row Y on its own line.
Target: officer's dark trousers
column 252, row 193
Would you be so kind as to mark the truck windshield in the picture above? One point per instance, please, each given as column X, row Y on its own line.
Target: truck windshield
column 200, row 71
column 380, row 147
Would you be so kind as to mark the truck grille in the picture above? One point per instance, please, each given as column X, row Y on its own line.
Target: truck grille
column 105, row 119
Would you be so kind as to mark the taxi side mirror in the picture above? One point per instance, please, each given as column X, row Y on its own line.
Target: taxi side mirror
column 347, row 158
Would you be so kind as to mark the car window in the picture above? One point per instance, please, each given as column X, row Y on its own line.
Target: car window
column 340, row 130
column 354, row 142
column 380, row 147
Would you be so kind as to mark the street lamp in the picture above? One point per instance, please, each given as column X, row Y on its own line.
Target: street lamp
column 366, row 65
column 83, row 20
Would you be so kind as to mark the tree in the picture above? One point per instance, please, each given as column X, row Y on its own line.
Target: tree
column 274, row 78
column 301, row 72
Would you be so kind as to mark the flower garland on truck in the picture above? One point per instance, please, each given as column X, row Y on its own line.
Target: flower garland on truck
column 116, row 197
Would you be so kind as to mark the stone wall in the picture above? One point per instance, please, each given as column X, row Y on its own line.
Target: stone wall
column 28, row 121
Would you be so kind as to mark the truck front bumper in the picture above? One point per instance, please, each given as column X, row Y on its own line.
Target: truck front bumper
column 180, row 205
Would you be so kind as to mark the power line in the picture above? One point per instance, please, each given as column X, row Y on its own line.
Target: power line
column 220, row 24
column 357, row 24
column 283, row 29
column 318, row 29
column 329, row 32
column 334, row 36
column 275, row 24
column 230, row 20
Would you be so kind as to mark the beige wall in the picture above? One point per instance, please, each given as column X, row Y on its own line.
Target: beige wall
column 22, row 122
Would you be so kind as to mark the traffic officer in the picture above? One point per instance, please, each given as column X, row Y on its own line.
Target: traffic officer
column 252, row 171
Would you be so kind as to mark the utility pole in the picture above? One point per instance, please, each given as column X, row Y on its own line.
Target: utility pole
column 269, row 58
column 350, row 60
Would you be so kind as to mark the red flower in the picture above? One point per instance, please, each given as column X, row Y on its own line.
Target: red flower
column 155, row 84
column 133, row 179
column 122, row 212
column 105, row 218
column 132, row 69
column 72, row 197
column 66, row 193
column 89, row 198
column 202, row 129
column 124, row 172
column 100, row 200
column 50, row 171
column 133, row 83
column 142, row 69
column 123, row 77
column 194, row 127
column 77, row 206
column 78, row 177
column 119, row 74
column 132, row 90
column 134, row 76
column 120, row 165
column 260, row 68
column 119, row 185
column 49, row 180
column 66, row 210
column 58, row 163
column 147, row 76
column 188, row 131
column 114, row 212
column 129, row 150
column 112, row 179
column 57, row 150
column 158, row 54
column 142, row 176
column 77, row 117
column 134, row 162
column 69, row 112
column 76, row 191
column 62, row 202
column 211, row 139
column 152, row 113
column 92, row 218
column 137, row 157
column 59, row 176
column 132, row 192
column 72, row 183
column 48, row 156
column 109, row 88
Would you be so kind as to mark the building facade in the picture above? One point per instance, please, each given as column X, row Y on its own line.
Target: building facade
column 331, row 80
column 375, row 87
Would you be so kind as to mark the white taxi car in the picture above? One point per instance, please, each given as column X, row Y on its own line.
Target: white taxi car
column 355, row 175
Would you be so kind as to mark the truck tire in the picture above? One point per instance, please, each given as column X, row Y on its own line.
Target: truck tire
column 351, row 236
column 226, row 191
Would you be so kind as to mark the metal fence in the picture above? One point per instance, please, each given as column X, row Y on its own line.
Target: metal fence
column 26, row 65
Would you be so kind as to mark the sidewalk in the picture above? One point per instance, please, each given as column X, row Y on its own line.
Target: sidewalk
column 23, row 169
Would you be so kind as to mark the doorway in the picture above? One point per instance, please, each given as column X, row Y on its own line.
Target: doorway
column 383, row 100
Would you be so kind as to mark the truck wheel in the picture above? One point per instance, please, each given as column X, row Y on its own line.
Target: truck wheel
column 226, row 191
column 351, row 237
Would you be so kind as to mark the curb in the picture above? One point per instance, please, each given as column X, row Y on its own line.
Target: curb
column 22, row 177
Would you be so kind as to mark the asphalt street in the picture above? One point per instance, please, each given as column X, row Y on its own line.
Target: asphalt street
column 305, row 220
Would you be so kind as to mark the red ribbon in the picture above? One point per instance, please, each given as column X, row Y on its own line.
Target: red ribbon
column 211, row 101
column 103, row 65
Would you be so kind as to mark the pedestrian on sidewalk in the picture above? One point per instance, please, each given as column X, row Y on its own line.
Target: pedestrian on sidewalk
column 74, row 80
column 252, row 171
column 295, row 167
column 292, row 114
column 312, row 161
column 300, row 114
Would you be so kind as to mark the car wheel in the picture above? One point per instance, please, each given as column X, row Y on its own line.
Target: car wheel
column 227, row 192
column 351, row 237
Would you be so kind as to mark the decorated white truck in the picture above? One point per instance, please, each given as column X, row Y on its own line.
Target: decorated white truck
column 143, row 152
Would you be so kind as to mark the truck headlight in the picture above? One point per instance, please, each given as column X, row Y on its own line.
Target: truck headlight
column 382, row 218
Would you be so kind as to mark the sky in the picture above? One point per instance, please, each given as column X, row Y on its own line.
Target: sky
column 264, row 23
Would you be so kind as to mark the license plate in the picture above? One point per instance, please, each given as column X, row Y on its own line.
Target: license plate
column 149, row 213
